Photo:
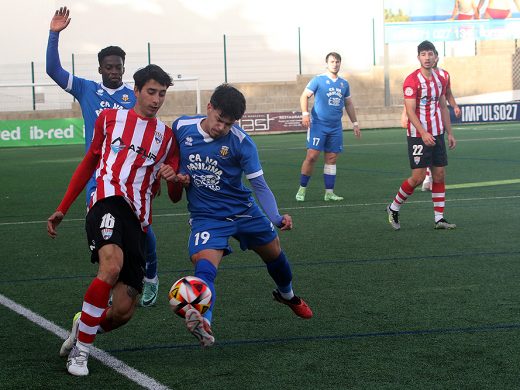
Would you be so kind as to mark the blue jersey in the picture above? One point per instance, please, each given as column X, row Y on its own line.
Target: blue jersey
column 216, row 167
column 329, row 98
column 95, row 97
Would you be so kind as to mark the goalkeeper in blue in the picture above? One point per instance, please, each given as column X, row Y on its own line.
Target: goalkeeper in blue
column 216, row 152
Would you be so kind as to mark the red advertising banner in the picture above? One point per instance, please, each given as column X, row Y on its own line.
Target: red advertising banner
column 272, row 121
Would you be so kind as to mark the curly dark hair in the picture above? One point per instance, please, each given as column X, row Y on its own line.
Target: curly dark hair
column 111, row 51
column 229, row 100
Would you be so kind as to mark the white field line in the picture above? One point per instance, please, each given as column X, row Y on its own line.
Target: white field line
column 105, row 358
column 335, row 205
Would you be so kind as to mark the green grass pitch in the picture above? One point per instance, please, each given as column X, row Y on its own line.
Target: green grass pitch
column 411, row 309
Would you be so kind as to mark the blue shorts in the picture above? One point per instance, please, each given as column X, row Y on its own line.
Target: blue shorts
column 215, row 233
column 325, row 138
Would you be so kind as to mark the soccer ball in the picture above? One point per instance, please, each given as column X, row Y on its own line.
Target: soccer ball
column 187, row 293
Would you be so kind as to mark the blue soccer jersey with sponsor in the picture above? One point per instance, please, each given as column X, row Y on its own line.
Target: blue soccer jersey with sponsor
column 329, row 98
column 94, row 97
column 216, row 167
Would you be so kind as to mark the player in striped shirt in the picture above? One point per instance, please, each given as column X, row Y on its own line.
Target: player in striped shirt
column 217, row 153
column 425, row 102
column 130, row 152
column 93, row 98
column 427, row 183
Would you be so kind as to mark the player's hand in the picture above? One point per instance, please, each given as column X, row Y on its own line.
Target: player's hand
column 167, row 173
column 428, row 139
column 452, row 142
column 357, row 131
column 60, row 20
column 306, row 121
column 183, row 179
column 286, row 222
column 52, row 223
column 457, row 111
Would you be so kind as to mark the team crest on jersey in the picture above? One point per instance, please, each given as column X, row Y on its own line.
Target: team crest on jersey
column 100, row 92
column 158, row 137
column 408, row 91
column 188, row 141
column 125, row 98
column 107, row 233
column 224, row 151
column 417, row 160
column 327, row 82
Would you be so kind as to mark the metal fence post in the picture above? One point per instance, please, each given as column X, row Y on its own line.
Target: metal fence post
column 299, row 51
column 73, row 73
column 33, row 89
column 373, row 42
column 225, row 60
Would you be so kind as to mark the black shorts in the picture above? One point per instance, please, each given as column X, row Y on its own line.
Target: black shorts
column 112, row 221
column 422, row 156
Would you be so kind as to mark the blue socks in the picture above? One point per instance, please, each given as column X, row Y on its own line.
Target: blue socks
column 329, row 180
column 151, row 254
column 280, row 271
column 304, row 180
column 206, row 271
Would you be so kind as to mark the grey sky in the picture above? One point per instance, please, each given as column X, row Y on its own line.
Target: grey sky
column 341, row 25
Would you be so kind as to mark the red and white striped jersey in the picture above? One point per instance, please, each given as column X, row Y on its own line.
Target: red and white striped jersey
column 446, row 76
column 426, row 94
column 131, row 150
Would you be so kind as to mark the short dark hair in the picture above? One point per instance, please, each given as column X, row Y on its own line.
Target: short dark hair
column 229, row 100
column 426, row 46
column 111, row 51
column 333, row 54
column 152, row 72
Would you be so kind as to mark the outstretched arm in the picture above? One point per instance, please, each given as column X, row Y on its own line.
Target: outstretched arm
column 59, row 22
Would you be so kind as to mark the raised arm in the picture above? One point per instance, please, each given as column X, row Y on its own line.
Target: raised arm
column 59, row 22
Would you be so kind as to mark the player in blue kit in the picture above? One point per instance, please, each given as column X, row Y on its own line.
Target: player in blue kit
column 325, row 131
column 93, row 98
column 215, row 152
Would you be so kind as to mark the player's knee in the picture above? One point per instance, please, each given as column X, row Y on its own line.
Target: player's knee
column 312, row 159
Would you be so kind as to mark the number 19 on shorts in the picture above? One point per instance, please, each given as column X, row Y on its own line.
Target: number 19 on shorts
column 202, row 238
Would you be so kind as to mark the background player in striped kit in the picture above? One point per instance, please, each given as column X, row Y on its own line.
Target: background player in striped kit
column 325, row 131
column 216, row 153
column 425, row 102
column 427, row 183
column 93, row 98
column 130, row 152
